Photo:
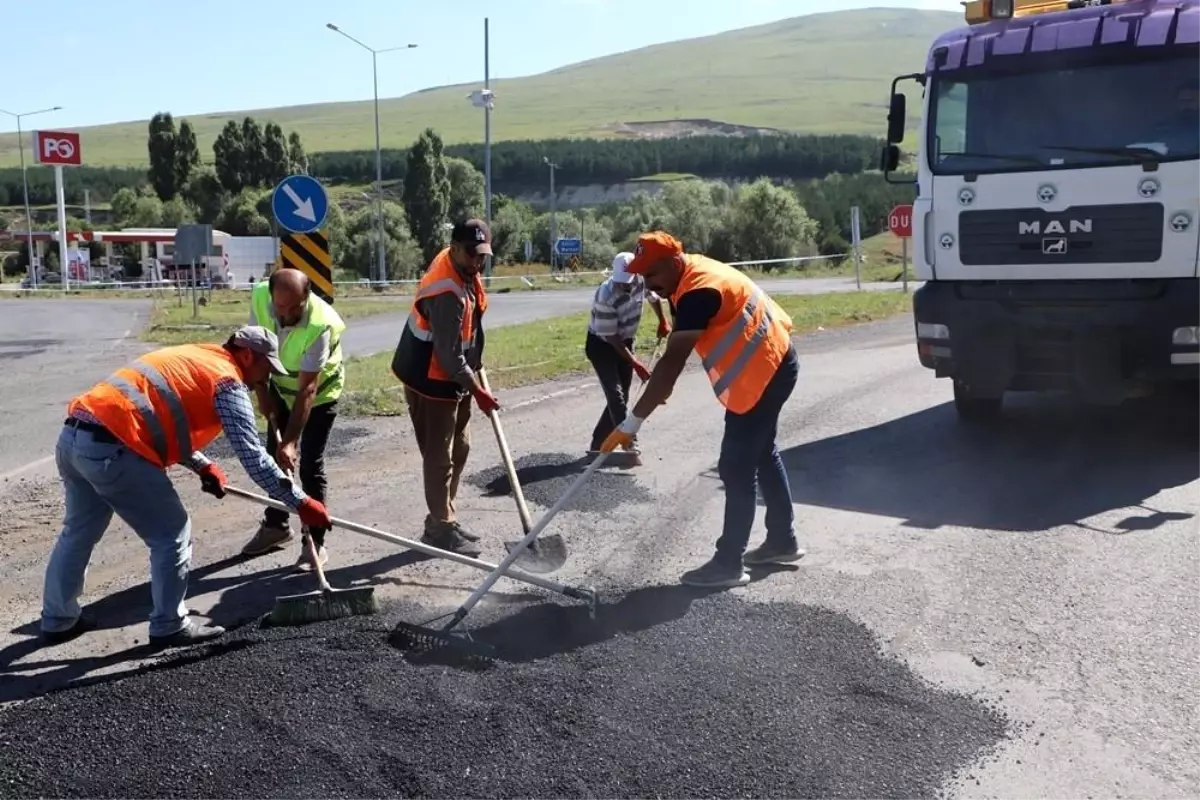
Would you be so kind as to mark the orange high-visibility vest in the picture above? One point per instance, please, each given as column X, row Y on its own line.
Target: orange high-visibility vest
column 415, row 363
column 745, row 341
column 161, row 406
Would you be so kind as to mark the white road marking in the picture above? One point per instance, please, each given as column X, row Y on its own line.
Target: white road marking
column 31, row 465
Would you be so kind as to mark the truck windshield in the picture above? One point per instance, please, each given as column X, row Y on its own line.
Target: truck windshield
column 1082, row 116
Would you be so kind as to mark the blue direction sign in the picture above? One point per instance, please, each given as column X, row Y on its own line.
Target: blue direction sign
column 568, row 247
column 300, row 204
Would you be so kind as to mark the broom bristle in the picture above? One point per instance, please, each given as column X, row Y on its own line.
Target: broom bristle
column 324, row 606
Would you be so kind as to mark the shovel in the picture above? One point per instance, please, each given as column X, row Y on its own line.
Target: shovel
column 546, row 553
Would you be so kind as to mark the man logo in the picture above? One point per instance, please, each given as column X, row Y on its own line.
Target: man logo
column 1035, row 228
column 1054, row 246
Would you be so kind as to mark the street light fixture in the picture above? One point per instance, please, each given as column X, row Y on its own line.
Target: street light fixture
column 25, row 185
column 378, row 153
column 553, row 214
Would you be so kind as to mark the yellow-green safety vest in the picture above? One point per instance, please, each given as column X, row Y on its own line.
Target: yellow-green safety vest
column 319, row 317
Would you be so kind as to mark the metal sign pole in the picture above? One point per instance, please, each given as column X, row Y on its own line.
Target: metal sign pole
column 904, row 262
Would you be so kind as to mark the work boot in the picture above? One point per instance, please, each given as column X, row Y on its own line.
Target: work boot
column 190, row 633
column 268, row 538
column 447, row 536
column 716, row 575
column 82, row 625
column 470, row 536
column 770, row 553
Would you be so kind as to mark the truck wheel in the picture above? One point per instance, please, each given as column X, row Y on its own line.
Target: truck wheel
column 974, row 408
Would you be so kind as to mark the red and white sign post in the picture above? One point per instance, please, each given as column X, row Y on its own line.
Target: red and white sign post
column 900, row 224
column 59, row 149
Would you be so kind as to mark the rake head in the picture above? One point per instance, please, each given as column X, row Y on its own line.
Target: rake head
column 426, row 645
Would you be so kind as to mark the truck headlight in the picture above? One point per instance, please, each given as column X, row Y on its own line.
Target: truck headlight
column 932, row 330
column 1186, row 336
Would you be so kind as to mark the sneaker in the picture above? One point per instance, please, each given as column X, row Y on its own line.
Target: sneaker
column 305, row 564
column 268, row 538
column 190, row 633
column 715, row 574
column 82, row 625
column 449, row 538
column 774, row 554
column 470, row 536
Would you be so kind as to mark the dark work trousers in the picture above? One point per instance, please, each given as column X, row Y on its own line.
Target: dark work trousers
column 616, row 376
column 750, row 459
column 313, row 439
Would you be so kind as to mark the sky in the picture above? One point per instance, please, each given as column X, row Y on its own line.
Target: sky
column 121, row 60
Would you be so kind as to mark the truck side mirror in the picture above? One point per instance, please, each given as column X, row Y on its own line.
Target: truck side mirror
column 890, row 158
column 896, row 115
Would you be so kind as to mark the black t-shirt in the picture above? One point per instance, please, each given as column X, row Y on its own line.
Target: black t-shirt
column 696, row 309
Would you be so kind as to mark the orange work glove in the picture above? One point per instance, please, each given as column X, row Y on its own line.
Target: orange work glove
column 486, row 401
column 623, row 436
column 212, row 479
column 314, row 515
column 640, row 370
column 664, row 328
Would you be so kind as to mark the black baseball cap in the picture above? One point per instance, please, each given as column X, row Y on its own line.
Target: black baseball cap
column 475, row 235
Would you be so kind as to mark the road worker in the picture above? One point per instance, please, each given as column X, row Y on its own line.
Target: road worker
column 300, row 407
column 120, row 437
column 437, row 359
column 744, row 342
column 615, row 319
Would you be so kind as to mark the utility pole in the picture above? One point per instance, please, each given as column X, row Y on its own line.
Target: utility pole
column 382, row 257
column 33, row 278
column 553, row 215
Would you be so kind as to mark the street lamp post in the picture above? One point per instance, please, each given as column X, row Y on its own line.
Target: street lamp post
column 553, row 214
column 25, row 186
column 382, row 259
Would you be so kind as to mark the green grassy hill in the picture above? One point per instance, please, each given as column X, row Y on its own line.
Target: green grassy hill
column 821, row 73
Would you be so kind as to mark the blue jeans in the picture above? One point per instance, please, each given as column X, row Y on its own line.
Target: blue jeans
column 750, row 459
column 101, row 478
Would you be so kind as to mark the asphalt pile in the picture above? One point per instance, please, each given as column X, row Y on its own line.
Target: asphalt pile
column 545, row 477
column 666, row 693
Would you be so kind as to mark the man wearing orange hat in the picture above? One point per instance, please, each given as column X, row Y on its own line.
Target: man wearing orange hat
column 744, row 341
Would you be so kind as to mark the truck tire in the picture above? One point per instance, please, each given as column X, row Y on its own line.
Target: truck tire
column 974, row 408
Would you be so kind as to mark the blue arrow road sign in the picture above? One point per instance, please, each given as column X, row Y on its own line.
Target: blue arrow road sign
column 300, row 204
column 568, row 247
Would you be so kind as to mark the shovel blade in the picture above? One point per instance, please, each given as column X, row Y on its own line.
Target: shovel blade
column 546, row 554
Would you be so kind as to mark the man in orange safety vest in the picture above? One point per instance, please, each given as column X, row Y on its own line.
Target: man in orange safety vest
column 744, row 342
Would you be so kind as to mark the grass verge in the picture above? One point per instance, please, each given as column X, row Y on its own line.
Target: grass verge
column 534, row 352
column 172, row 321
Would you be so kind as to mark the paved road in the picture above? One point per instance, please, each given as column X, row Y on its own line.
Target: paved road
column 1046, row 566
column 50, row 350
column 54, row 348
column 379, row 333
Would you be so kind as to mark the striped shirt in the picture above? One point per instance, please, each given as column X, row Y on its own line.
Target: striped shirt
column 235, row 409
column 616, row 312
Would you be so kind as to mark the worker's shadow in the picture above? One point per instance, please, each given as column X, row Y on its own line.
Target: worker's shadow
column 547, row 629
column 243, row 598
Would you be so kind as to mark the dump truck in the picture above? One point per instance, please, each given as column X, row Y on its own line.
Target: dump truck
column 1056, row 222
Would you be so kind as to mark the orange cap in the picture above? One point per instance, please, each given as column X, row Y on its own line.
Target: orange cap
column 651, row 248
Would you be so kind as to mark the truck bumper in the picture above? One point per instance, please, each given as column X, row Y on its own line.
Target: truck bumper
column 1088, row 336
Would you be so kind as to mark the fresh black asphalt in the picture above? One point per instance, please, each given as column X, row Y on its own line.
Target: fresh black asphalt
column 545, row 477
column 667, row 693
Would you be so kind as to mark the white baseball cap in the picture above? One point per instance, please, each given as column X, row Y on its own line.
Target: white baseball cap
column 620, row 269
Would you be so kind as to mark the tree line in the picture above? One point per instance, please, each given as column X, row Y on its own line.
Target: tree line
column 521, row 165
column 248, row 154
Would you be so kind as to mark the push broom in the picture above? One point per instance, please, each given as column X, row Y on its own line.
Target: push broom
column 323, row 604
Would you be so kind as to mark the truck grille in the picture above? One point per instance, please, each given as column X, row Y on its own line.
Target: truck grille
column 1130, row 233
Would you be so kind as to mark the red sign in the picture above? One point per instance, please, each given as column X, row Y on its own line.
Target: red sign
column 900, row 221
column 57, row 148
